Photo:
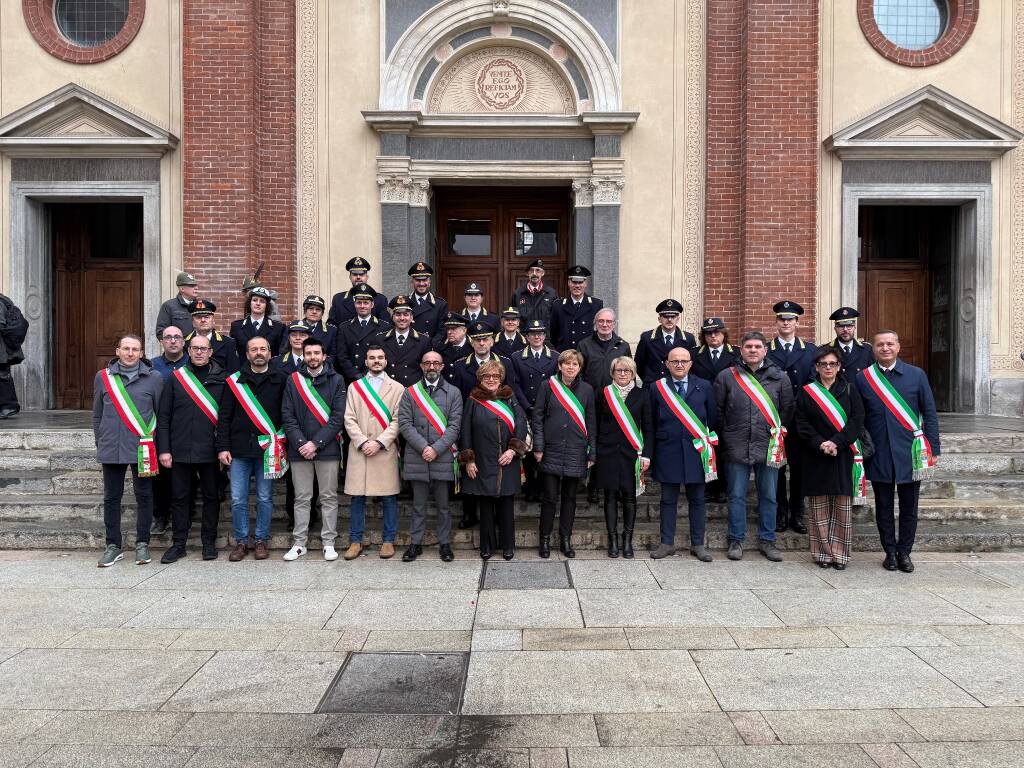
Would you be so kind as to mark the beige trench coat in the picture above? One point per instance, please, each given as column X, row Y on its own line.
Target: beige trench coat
column 377, row 475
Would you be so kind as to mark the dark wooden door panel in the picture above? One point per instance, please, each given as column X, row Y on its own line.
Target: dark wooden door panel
column 898, row 299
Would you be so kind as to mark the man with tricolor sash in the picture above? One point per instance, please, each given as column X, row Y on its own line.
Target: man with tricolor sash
column 126, row 396
column 900, row 416
column 186, row 441
column 429, row 418
column 313, row 413
column 251, row 443
column 685, row 416
column 755, row 402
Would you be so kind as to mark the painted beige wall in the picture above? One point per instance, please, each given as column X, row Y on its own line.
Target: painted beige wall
column 145, row 79
column 856, row 81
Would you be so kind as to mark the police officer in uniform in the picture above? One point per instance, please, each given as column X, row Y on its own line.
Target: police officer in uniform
column 343, row 303
column 313, row 316
column 291, row 359
column 358, row 333
column 508, row 341
column 796, row 357
column 854, row 354
column 259, row 307
column 534, row 366
column 654, row 345
column 476, row 312
column 403, row 344
column 225, row 352
column 572, row 318
column 455, row 346
column 428, row 310
column 535, row 300
column 178, row 311
column 715, row 353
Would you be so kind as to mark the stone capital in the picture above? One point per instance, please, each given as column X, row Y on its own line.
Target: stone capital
column 608, row 189
column 394, row 188
column 582, row 193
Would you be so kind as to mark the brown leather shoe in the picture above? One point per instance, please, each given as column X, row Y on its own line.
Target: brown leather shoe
column 354, row 550
column 387, row 550
column 261, row 551
column 238, row 553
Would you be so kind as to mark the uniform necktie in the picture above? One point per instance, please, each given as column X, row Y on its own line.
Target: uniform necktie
column 256, row 325
column 846, row 350
column 363, row 323
column 669, row 339
column 401, row 340
column 473, row 316
column 536, row 355
column 789, row 346
column 681, row 388
column 714, row 355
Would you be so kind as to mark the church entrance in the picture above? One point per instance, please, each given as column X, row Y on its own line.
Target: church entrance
column 488, row 235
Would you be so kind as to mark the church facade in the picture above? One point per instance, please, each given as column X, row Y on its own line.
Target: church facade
column 726, row 153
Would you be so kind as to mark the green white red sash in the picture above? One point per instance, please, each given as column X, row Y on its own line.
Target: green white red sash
column 503, row 411
column 272, row 441
column 435, row 419
column 316, row 404
column 377, row 408
column 570, row 402
column 836, row 416
column 776, row 432
column 130, row 416
column 200, row 395
column 628, row 426
column 922, row 460
column 704, row 440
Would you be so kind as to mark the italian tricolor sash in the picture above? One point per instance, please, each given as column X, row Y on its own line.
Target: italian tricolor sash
column 922, row 460
column 200, row 395
column 628, row 426
column 130, row 416
column 373, row 402
column 502, row 410
column 704, row 440
column 570, row 402
column 272, row 441
column 435, row 419
column 836, row 415
column 315, row 403
column 753, row 389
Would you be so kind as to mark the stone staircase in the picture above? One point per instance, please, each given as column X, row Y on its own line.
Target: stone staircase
column 51, row 497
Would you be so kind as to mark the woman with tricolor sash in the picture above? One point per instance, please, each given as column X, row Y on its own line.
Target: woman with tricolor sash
column 829, row 420
column 625, row 439
column 491, row 447
column 126, row 396
column 565, row 446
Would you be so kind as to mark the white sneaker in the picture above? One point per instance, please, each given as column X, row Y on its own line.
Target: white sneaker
column 295, row 553
column 330, row 553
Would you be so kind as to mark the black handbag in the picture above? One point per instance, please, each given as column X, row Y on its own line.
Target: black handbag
column 867, row 445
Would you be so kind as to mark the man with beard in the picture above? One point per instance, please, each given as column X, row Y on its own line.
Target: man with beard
column 535, row 300
column 428, row 310
column 854, row 354
column 343, row 303
column 403, row 344
column 356, row 334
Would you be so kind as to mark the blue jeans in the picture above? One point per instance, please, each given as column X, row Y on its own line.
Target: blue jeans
column 241, row 471
column 695, row 509
column 766, row 478
column 357, row 518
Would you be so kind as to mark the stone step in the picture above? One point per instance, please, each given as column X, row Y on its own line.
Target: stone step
column 964, row 486
column 961, row 536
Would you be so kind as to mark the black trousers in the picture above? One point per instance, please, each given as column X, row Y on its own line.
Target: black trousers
column 181, row 493
column 502, row 508
column 113, row 491
column 559, row 491
column 791, row 502
column 8, row 397
column 885, row 498
column 532, row 486
column 162, row 494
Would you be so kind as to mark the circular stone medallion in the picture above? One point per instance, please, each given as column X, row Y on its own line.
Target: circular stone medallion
column 500, row 84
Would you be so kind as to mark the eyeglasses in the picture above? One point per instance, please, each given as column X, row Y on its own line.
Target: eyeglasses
column 622, row 370
column 491, row 376
column 679, row 362
column 828, row 365
column 200, row 350
column 432, row 364
column 165, row 337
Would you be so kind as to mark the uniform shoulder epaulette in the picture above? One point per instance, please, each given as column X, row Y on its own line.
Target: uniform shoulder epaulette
column 270, row 322
column 801, row 343
column 483, row 311
column 860, row 342
column 468, row 358
column 654, row 333
column 521, row 337
column 701, row 348
column 388, row 334
column 416, row 334
column 563, row 302
column 771, row 345
column 525, row 354
column 284, row 357
column 589, row 300
column 730, row 347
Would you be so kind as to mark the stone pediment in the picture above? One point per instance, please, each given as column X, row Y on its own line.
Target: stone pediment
column 75, row 121
column 927, row 123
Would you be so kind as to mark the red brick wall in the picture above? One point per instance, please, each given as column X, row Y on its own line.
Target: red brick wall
column 762, row 158
column 239, row 163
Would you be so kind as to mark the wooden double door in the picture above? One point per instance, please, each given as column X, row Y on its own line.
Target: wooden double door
column 97, row 263
column 490, row 235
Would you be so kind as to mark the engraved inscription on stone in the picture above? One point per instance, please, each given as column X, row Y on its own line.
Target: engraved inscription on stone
column 500, row 84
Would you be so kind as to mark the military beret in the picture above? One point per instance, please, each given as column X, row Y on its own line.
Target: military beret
column 536, row 263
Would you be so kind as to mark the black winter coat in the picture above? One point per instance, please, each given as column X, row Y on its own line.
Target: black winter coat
column 484, row 437
column 182, row 428
column 597, row 359
column 235, row 430
column 826, row 475
column 566, row 449
column 243, row 330
column 615, row 469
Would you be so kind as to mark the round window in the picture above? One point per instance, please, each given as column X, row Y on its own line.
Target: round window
column 90, row 23
column 912, row 24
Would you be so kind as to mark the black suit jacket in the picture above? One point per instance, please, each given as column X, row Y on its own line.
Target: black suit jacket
column 707, row 368
column 351, row 343
column 242, row 330
column 652, row 351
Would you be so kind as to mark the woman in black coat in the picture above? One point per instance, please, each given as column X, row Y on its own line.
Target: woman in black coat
column 829, row 458
column 491, row 454
column 564, row 444
column 615, row 470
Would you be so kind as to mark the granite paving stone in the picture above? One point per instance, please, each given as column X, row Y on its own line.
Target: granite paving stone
column 426, row 574
column 983, row 634
column 359, row 758
column 786, row 637
column 15, row 726
column 255, row 756
column 114, row 728
column 597, row 639
column 726, row 574
column 548, row 757
column 426, row 641
column 991, row 754
column 34, row 637
column 643, row 757
column 670, row 729
column 994, row 606
column 825, row 678
column 98, row 756
column 239, row 610
column 543, row 575
column 864, row 606
column 674, row 608
column 517, row 731
column 833, row 756
column 75, row 574
column 509, row 609
column 753, row 728
column 95, row 679
column 239, row 729
column 386, row 731
column 678, row 639
column 21, row 755
column 614, row 574
column 258, row 681
column 975, row 724
column 405, row 609
column 930, row 576
column 229, row 639
column 840, row 726
column 309, row 640
column 1010, row 574
column 877, row 635
column 497, row 640
column 993, row 675
column 247, row 575
column 6, row 653
column 557, row 682
column 889, row 756
column 71, row 608
column 399, row 683
column 126, row 639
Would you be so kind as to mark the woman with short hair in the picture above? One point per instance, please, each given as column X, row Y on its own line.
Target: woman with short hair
column 564, row 444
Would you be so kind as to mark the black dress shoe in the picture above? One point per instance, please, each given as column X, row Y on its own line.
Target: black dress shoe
column 9, row 411
column 508, row 554
column 796, row 523
column 592, row 496
column 823, row 564
column 780, row 522
column 467, row 522
column 839, row 566
column 565, row 547
column 173, row 555
column 209, row 551
column 890, row 561
column 411, row 553
column 446, row 553
column 544, row 550
column 904, row 563
column 485, row 553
